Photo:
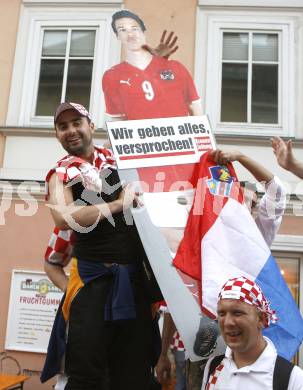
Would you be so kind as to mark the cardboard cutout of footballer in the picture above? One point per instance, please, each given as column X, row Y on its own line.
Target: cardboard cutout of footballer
column 156, row 146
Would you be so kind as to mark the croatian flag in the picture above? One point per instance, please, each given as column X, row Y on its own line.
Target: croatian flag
column 222, row 241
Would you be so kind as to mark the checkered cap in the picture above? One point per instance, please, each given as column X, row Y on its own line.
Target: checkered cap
column 248, row 291
column 71, row 106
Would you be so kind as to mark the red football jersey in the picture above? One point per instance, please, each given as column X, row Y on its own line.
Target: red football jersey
column 163, row 89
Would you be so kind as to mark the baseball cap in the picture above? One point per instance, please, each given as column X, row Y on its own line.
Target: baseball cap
column 126, row 14
column 71, row 106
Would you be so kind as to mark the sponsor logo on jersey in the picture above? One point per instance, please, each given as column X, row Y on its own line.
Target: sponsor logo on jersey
column 167, row 75
column 125, row 82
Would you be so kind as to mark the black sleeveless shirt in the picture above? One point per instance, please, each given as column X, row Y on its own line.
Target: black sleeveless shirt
column 111, row 241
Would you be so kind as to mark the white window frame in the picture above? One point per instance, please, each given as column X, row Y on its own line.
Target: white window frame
column 208, row 68
column 250, row 64
column 67, row 59
column 34, row 18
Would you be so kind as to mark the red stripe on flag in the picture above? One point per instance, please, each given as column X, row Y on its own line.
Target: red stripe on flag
column 155, row 155
column 203, row 215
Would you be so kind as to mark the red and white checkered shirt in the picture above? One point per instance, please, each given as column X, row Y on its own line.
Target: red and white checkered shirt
column 214, row 377
column 177, row 342
column 72, row 167
column 60, row 246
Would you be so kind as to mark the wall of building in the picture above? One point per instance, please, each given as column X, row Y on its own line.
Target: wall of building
column 173, row 15
column 23, row 242
column 9, row 19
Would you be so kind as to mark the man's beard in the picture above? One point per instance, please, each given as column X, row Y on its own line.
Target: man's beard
column 78, row 150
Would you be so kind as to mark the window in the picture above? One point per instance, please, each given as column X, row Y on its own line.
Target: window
column 245, row 70
column 65, row 69
column 290, row 269
column 61, row 55
column 250, row 77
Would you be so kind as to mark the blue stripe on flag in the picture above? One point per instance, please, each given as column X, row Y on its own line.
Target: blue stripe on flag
column 287, row 333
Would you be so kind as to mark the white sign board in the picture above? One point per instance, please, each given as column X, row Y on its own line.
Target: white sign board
column 161, row 141
column 33, row 304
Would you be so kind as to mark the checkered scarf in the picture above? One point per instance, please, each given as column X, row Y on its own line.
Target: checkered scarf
column 68, row 169
column 71, row 167
column 248, row 291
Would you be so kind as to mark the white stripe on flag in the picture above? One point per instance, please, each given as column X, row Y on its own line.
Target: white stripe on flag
column 232, row 247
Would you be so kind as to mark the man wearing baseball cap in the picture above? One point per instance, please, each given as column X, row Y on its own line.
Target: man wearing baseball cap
column 109, row 341
column 251, row 361
column 78, row 144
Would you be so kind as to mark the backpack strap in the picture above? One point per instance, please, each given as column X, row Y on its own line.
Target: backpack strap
column 213, row 365
column 282, row 372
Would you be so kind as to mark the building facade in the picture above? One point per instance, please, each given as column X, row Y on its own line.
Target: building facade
column 246, row 57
